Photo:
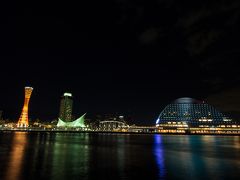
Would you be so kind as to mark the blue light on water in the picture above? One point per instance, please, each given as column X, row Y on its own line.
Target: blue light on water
column 159, row 155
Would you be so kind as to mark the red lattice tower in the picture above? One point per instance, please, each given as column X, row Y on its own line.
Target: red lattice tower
column 23, row 120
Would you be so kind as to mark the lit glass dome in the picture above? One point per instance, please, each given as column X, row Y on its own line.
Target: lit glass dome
column 192, row 112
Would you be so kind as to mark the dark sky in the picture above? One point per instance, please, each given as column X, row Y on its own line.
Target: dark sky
column 125, row 56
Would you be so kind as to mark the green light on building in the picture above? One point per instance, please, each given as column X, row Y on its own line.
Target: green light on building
column 77, row 123
column 66, row 106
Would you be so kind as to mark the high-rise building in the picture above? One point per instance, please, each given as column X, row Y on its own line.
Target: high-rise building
column 23, row 120
column 66, row 106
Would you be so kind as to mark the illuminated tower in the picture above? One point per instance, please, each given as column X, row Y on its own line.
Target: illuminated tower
column 66, row 105
column 23, row 120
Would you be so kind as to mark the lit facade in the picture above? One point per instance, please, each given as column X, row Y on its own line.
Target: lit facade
column 23, row 120
column 66, row 106
column 73, row 124
column 190, row 114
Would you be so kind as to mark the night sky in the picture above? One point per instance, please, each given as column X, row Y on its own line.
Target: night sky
column 119, row 56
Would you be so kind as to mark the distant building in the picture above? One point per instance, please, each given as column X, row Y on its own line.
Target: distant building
column 113, row 117
column 194, row 115
column 113, row 122
column 73, row 124
column 66, row 106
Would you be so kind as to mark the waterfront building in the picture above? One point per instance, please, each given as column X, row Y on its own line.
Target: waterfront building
column 72, row 124
column 66, row 106
column 113, row 123
column 23, row 120
column 187, row 114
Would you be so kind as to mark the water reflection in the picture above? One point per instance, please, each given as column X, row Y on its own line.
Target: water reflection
column 201, row 157
column 236, row 142
column 70, row 156
column 47, row 156
column 220, row 156
column 121, row 146
column 159, row 155
column 14, row 166
column 114, row 156
column 39, row 155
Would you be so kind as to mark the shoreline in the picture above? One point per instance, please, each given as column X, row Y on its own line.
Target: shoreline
column 114, row 132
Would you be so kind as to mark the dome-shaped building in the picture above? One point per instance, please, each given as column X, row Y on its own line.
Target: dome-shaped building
column 184, row 113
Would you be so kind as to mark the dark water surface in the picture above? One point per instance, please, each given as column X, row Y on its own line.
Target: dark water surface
column 117, row 156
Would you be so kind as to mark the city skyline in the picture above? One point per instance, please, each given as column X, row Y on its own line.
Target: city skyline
column 66, row 104
column 128, row 57
column 123, row 89
column 182, row 116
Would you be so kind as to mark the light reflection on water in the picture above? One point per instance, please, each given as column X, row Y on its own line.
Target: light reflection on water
column 159, row 155
column 201, row 157
column 121, row 155
column 117, row 156
column 70, row 156
column 16, row 154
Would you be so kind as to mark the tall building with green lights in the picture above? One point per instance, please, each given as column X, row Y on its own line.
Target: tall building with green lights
column 66, row 106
